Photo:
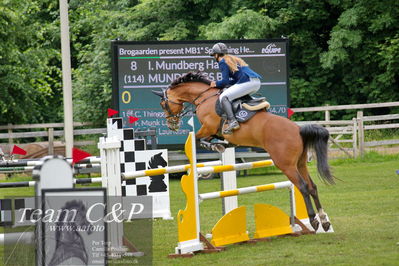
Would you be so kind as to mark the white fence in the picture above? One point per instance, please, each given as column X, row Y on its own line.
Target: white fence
column 356, row 127
column 339, row 130
column 49, row 131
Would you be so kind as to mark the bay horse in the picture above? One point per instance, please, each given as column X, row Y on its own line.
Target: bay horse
column 285, row 141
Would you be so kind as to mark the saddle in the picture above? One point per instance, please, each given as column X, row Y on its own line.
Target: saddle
column 244, row 108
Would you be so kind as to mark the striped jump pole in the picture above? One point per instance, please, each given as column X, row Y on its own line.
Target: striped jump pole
column 11, row 169
column 211, row 167
column 245, row 190
column 234, row 167
column 170, row 169
column 269, row 220
column 80, row 181
column 255, row 189
column 30, row 168
column 229, row 175
column 18, row 163
column 18, row 184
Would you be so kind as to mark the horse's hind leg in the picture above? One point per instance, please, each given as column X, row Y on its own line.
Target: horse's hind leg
column 313, row 191
column 322, row 215
column 296, row 178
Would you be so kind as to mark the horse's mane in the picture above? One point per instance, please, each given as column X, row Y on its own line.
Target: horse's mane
column 191, row 77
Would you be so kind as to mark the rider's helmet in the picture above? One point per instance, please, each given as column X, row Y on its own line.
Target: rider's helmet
column 219, row 48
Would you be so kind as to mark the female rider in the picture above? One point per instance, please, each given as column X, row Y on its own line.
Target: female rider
column 237, row 73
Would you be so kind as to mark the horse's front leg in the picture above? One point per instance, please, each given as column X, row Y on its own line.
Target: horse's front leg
column 204, row 138
column 204, row 133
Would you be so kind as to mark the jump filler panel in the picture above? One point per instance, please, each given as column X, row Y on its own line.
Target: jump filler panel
column 135, row 157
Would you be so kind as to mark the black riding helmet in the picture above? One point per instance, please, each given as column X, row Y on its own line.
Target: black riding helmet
column 219, row 48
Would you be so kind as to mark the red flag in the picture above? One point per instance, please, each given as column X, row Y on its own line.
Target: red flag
column 290, row 112
column 78, row 155
column 132, row 119
column 18, row 150
column 111, row 112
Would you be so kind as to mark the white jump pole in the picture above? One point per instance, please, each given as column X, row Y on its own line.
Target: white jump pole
column 20, row 237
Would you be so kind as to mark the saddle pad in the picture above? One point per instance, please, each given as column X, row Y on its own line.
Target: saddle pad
column 240, row 113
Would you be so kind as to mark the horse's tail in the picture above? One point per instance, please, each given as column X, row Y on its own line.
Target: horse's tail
column 316, row 137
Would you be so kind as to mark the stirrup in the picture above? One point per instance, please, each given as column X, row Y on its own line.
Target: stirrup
column 233, row 125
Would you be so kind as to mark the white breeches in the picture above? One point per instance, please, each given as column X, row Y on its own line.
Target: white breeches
column 238, row 90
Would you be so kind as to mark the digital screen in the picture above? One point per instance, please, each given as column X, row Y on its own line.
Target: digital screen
column 139, row 67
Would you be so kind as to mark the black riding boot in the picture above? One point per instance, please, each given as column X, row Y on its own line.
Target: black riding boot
column 231, row 120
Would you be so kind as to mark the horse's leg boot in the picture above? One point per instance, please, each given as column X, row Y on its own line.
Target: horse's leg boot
column 232, row 122
column 205, row 144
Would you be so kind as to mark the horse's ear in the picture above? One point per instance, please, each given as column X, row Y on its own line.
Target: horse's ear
column 158, row 93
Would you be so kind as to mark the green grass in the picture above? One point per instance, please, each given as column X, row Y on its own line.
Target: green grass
column 363, row 207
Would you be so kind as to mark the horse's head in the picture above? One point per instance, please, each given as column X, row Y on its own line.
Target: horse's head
column 172, row 107
column 178, row 92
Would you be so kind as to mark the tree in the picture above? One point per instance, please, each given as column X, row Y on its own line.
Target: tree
column 364, row 47
column 28, row 65
column 96, row 23
column 341, row 51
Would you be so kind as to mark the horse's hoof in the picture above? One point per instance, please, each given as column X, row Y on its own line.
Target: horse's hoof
column 326, row 226
column 206, row 146
column 219, row 148
column 315, row 224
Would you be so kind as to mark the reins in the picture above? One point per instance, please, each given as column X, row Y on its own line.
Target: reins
column 204, row 100
column 185, row 108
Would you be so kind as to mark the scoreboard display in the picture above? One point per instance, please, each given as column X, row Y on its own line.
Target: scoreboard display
column 139, row 67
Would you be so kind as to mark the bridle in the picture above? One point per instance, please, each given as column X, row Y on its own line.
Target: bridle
column 185, row 109
column 166, row 106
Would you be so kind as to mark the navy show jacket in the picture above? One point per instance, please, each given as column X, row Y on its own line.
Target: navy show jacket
column 243, row 74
